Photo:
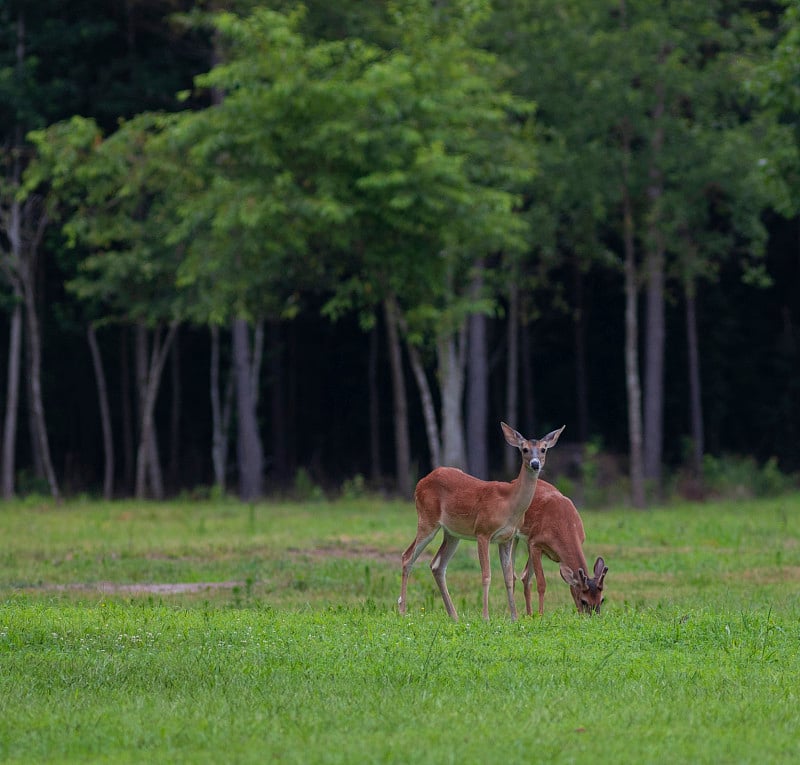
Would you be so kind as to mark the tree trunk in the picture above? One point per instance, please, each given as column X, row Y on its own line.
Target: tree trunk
column 128, row 448
column 12, row 402
column 374, row 407
column 149, row 373
column 277, row 375
column 510, row 459
column 478, row 389
column 249, row 448
column 221, row 407
column 142, row 450
column 173, row 471
column 426, row 397
column 528, row 382
column 35, row 445
column 451, row 366
column 400, row 401
column 24, row 225
column 581, row 375
column 655, row 329
column 105, row 413
column 632, row 384
column 28, row 257
column 695, row 396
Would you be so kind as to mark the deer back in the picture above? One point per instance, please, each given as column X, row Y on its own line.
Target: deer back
column 466, row 506
column 554, row 525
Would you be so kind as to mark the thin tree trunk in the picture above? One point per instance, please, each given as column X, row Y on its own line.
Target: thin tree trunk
column 150, row 373
column 105, row 413
column 175, row 415
column 11, row 266
column 128, row 448
column 219, row 436
column 374, row 407
column 655, row 329
column 426, row 397
column 581, row 376
column 451, row 365
column 24, row 224
column 250, row 451
column 399, row 399
column 12, row 402
column 695, row 395
column 632, row 384
column 510, row 459
column 528, row 381
column 277, row 374
column 142, row 450
column 34, row 342
column 478, row 388
column 35, row 445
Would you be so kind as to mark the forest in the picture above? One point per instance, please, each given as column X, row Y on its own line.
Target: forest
column 262, row 247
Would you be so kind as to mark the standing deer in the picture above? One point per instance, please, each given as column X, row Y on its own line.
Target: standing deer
column 552, row 526
column 465, row 507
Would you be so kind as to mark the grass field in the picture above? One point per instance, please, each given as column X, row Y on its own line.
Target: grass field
column 226, row 633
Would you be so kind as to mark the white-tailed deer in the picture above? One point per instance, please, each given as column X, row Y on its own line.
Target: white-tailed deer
column 553, row 526
column 465, row 507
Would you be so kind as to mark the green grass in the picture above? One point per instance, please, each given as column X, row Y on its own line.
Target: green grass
column 301, row 657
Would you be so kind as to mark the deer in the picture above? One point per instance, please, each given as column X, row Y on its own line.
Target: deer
column 465, row 507
column 552, row 526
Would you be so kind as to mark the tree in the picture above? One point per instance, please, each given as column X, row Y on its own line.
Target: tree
column 23, row 223
column 121, row 215
column 439, row 151
column 629, row 95
column 253, row 195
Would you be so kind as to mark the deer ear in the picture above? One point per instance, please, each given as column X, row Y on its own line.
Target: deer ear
column 600, row 571
column 512, row 436
column 568, row 575
column 551, row 438
column 600, row 568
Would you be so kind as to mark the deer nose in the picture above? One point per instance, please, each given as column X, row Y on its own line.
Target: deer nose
column 535, row 464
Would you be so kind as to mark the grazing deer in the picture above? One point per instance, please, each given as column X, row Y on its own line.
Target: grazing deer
column 465, row 507
column 552, row 526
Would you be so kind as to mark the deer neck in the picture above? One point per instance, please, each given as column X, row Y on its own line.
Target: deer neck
column 524, row 487
column 571, row 553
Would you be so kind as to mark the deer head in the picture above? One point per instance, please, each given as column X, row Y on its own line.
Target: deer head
column 587, row 593
column 534, row 452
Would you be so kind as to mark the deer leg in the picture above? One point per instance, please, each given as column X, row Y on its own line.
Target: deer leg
column 439, row 569
column 486, row 572
column 421, row 541
column 541, row 584
column 507, row 564
column 527, row 575
column 513, row 559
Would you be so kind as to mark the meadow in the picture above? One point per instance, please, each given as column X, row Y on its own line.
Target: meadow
column 216, row 632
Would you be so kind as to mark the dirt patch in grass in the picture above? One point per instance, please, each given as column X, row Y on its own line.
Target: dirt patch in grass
column 145, row 588
column 350, row 552
column 335, row 550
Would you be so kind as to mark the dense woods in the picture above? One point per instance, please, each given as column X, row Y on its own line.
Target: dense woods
column 261, row 246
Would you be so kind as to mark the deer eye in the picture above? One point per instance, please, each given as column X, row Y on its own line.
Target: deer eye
column 525, row 449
